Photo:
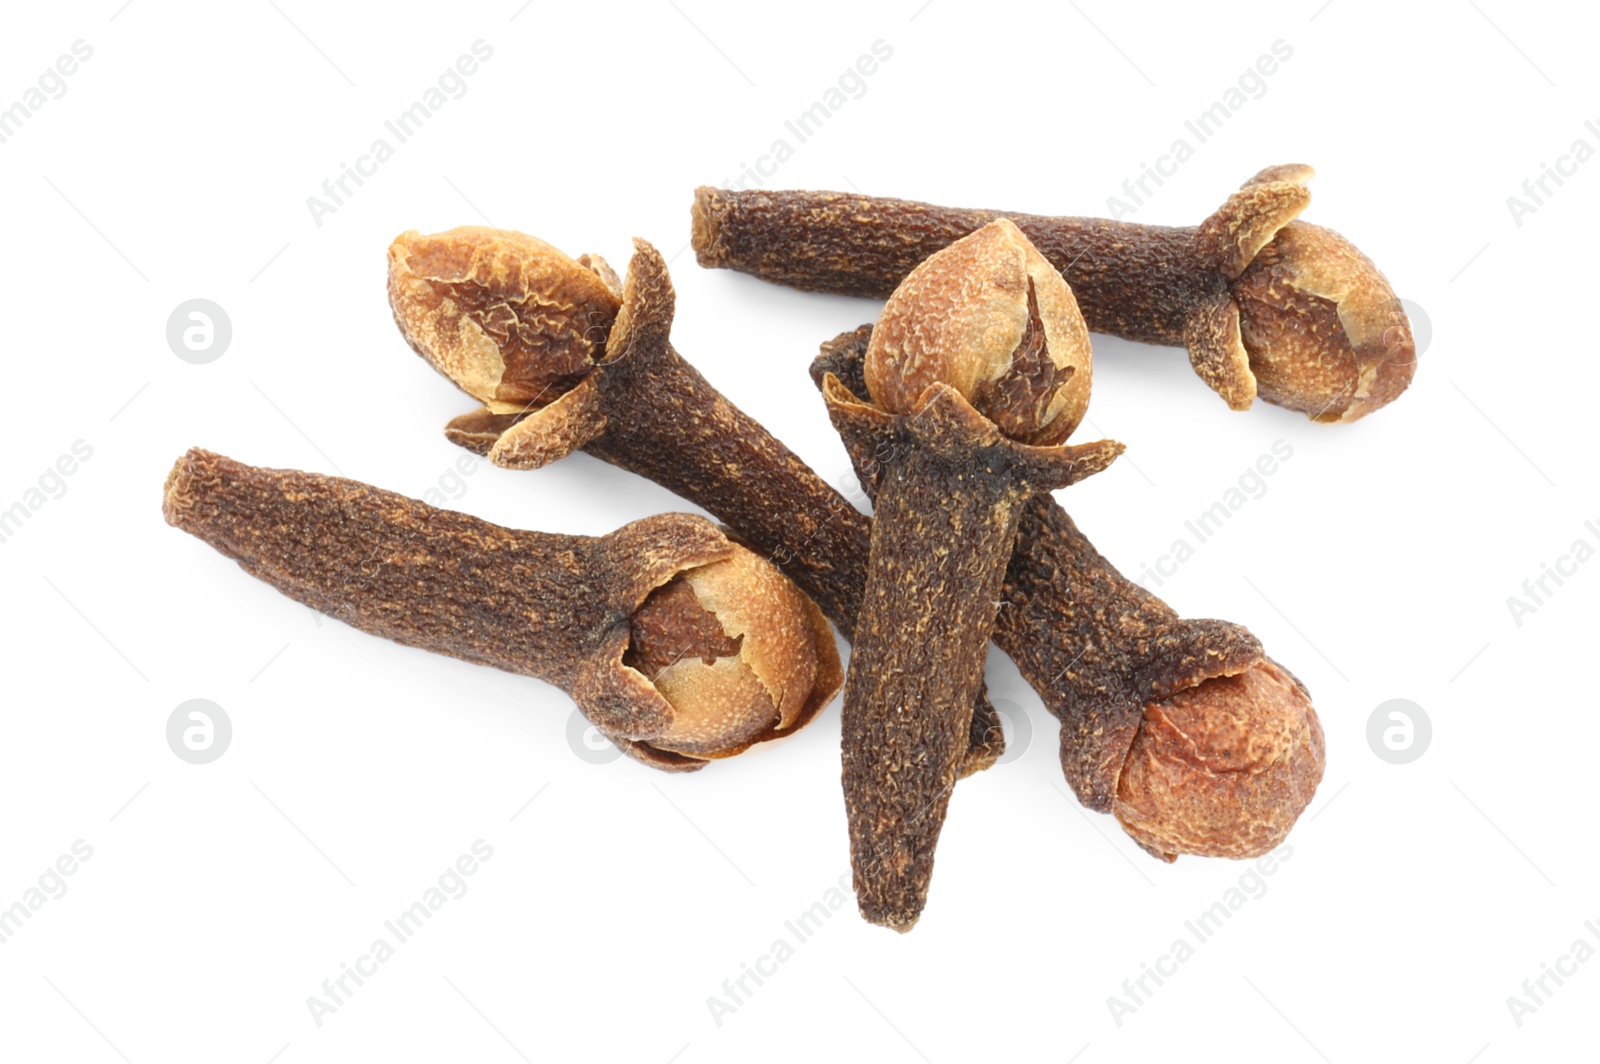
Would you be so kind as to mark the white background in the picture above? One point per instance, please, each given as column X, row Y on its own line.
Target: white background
column 1376, row 566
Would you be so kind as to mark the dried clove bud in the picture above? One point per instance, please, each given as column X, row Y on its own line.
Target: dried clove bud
column 1265, row 304
column 513, row 321
column 984, row 312
column 639, row 406
column 679, row 645
column 718, row 641
column 1183, row 729
column 1324, row 332
column 993, row 319
column 1222, row 769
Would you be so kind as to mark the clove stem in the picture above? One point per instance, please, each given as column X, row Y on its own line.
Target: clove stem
column 1265, row 304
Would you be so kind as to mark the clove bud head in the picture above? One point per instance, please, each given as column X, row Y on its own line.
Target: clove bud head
column 737, row 650
column 1323, row 329
column 512, row 321
column 1222, row 769
column 989, row 316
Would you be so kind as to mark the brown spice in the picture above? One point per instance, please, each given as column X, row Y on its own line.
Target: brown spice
column 1265, row 304
column 1096, row 646
column 948, row 501
column 570, row 610
column 1222, row 769
column 642, row 407
column 671, row 627
column 1114, row 663
column 509, row 316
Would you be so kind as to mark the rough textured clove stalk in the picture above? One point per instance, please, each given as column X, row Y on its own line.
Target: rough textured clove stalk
column 944, row 528
column 676, row 643
column 1184, row 729
column 1264, row 304
column 982, row 334
column 631, row 400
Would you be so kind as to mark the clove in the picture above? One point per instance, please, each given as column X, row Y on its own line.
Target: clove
column 562, row 360
column 977, row 372
column 1184, row 730
column 1097, row 647
column 677, row 644
column 1265, row 304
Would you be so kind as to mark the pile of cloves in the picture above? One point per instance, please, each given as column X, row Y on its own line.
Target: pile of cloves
column 684, row 642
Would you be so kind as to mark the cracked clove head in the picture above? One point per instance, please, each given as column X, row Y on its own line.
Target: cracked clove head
column 1222, row 769
column 1323, row 329
column 738, row 651
column 989, row 316
column 511, row 320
